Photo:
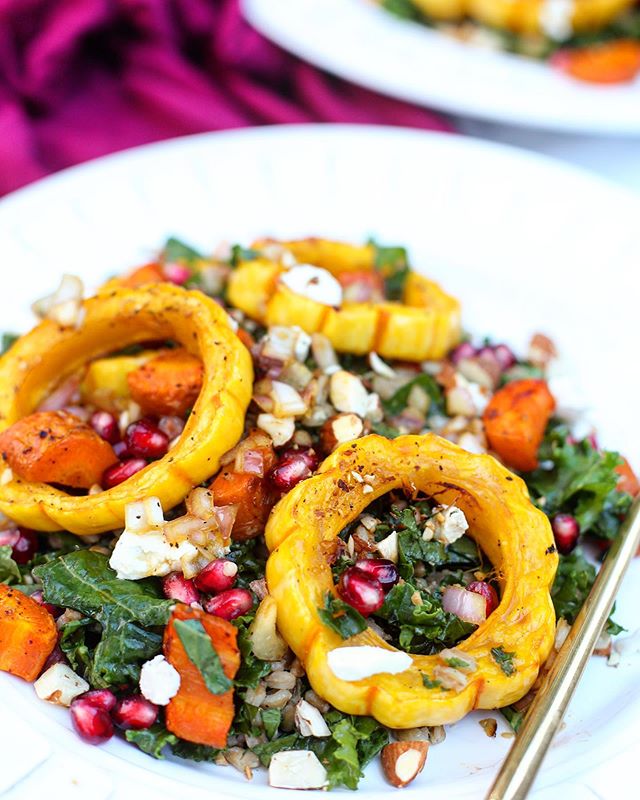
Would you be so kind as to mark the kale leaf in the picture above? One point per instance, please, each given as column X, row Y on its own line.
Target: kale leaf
column 424, row 628
column 251, row 667
column 405, row 9
column 9, row 570
column 398, row 401
column 513, row 717
column 176, row 250
column 126, row 610
column 463, row 553
column 582, row 482
column 504, row 660
column 73, row 643
column 7, row 341
column 393, row 264
column 239, row 254
column 200, row 651
column 341, row 617
column 153, row 740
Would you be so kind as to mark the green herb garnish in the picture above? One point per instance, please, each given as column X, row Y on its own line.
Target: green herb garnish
column 341, row 617
column 199, row 648
column 504, row 660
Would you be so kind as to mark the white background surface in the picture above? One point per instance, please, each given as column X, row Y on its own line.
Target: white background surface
column 521, row 240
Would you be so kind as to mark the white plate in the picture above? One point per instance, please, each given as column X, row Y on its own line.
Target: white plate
column 365, row 44
column 526, row 243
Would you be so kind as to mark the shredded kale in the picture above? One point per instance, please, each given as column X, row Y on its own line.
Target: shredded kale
column 382, row 429
column 398, row 401
column 176, row 250
column 194, row 752
column 239, row 254
column 504, row 660
column 73, row 643
column 393, row 264
column 513, row 717
column 251, row 668
column 201, row 652
column 271, row 718
column 424, row 628
column 405, row 9
column 582, row 482
column 129, row 612
column 341, row 617
column 250, row 560
column 153, row 740
column 9, row 570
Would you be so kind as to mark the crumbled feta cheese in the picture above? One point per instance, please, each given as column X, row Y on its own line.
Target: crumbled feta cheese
column 450, row 524
column 309, row 721
column 356, row 663
column 297, row 769
column 313, row 283
column 388, row 547
column 140, row 555
column 556, row 18
column 159, row 681
column 347, row 393
column 60, row 685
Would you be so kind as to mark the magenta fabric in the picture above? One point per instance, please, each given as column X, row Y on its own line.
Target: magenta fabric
column 81, row 78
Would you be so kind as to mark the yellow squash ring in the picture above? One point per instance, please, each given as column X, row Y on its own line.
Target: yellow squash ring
column 523, row 16
column 113, row 320
column 426, row 325
column 515, row 536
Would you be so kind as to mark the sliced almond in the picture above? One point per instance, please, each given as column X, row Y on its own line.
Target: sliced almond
column 403, row 761
column 339, row 429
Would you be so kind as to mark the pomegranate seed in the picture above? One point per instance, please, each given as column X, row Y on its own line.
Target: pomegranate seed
column 566, row 532
column 146, row 440
column 56, row 656
column 171, row 426
column 106, row 426
column 488, row 592
column 92, row 723
column 217, row 576
column 292, row 467
column 230, row 604
column 382, row 569
column 23, row 543
column 176, row 587
column 135, row 712
column 463, row 350
column 176, row 273
column 504, row 355
column 104, row 699
column 122, row 471
column 120, row 449
column 55, row 611
column 361, row 590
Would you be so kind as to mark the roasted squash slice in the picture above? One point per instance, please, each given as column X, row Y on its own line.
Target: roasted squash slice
column 523, row 16
column 426, row 324
column 28, row 634
column 112, row 320
column 515, row 536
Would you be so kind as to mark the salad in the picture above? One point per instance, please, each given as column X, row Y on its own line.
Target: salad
column 272, row 507
column 597, row 41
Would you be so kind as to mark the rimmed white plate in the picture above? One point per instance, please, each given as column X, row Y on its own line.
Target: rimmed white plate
column 527, row 243
column 358, row 40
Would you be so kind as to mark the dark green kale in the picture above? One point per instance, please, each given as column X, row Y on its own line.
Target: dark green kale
column 425, row 628
column 200, row 651
column 9, row 570
column 513, row 717
column 582, row 482
column 341, row 617
column 239, row 254
column 393, row 264
column 405, row 9
column 176, row 250
column 153, row 740
column 398, row 401
column 8, row 340
column 130, row 613
column 251, row 668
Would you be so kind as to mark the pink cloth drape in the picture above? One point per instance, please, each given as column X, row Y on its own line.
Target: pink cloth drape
column 81, row 78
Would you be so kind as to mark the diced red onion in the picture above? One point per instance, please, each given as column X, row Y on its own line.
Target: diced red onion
column 176, row 273
column 62, row 396
column 468, row 606
column 225, row 516
column 251, row 461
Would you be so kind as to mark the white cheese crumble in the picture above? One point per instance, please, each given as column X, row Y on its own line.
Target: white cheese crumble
column 313, row 283
column 60, row 685
column 159, row 681
column 450, row 524
column 141, row 555
column 356, row 663
column 556, row 18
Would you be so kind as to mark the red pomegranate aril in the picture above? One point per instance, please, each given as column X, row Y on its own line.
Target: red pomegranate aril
column 463, row 350
column 171, row 426
column 121, row 472
column 293, row 466
column 217, row 576
column 566, row 531
column 361, row 591
column 176, row 273
column 176, row 587
column 92, row 723
column 135, row 712
column 146, row 440
column 23, row 543
column 100, row 698
column 106, row 426
column 488, row 592
column 504, row 355
column 384, row 570
column 230, row 604
column 56, row 656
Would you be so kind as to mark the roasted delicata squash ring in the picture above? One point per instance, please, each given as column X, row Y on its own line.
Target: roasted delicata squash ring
column 112, row 320
column 515, row 536
column 523, row 16
column 425, row 325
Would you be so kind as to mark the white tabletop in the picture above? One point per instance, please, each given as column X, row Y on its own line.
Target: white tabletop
column 615, row 158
